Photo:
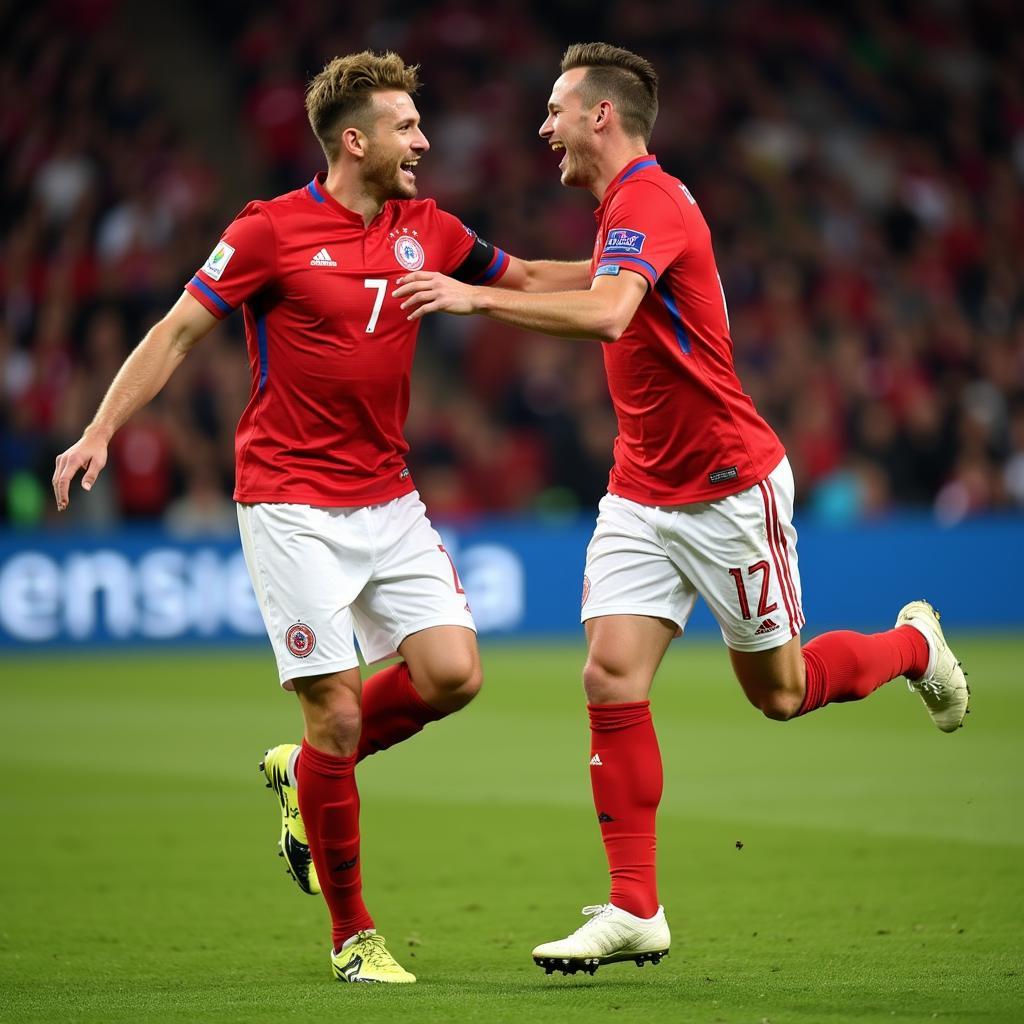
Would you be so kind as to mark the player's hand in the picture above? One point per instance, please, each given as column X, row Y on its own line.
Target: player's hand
column 89, row 453
column 428, row 292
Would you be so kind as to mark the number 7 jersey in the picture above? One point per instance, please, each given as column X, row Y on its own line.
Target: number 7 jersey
column 330, row 350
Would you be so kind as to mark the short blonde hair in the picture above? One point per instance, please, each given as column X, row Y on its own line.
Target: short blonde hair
column 341, row 95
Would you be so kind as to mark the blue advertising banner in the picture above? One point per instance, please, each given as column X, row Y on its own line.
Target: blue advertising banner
column 523, row 578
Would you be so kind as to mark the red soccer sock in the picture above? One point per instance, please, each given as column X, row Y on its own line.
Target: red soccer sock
column 392, row 710
column 329, row 802
column 626, row 777
column 844, row 666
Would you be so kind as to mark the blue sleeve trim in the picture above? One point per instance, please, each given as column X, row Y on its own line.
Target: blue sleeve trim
column 210, row 294
column 313, row 189
column 261, row 344
column 497, row 266
column 682, row 335
column 632, row 259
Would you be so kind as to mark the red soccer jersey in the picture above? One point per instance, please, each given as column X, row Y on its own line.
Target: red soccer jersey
column 687, row 430
column 330, row 350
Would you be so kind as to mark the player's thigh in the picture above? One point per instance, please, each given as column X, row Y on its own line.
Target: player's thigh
column 623, row 654
column 628, row 569
column 740, row 553
column 413, row 586
column 306, row 565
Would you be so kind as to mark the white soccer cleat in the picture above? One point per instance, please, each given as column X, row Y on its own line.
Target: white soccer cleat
column 610, row 936
column 943, row 687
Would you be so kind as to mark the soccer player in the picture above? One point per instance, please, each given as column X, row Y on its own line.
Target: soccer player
column 334, row 534
column 700, row 495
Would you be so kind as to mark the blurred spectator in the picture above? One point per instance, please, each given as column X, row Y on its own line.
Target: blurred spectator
column 861, row 168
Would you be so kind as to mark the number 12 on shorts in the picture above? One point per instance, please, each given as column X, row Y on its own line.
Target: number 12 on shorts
column 763, row 607
column 455, row 573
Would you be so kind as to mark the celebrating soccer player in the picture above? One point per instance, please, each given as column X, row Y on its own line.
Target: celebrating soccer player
column 700, row 495
column 335, row 537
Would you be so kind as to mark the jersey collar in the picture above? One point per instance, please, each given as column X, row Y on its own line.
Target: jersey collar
column 640, row 163
column 319, row 194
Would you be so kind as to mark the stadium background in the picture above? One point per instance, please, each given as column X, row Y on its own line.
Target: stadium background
column 862, row 171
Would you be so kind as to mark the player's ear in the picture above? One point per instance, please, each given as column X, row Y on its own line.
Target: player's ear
column 602, row 115
column 353, row 141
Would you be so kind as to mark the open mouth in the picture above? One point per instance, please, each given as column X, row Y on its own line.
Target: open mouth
column 558, row 147
column 408, row 168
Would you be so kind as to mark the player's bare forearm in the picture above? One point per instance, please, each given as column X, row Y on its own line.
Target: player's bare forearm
column 138, row 381
column 602, row 313
column 564, row 314
column 546, row 275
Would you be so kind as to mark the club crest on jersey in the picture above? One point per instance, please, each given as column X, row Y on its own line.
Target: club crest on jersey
column 626, row 241
column 409, row 252
column 586, row 590
column 300, row 640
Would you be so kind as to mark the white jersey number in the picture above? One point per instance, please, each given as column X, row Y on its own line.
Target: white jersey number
column 381, row 285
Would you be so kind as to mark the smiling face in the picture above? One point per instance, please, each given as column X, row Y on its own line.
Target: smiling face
column 394, row 147
column 569, row 128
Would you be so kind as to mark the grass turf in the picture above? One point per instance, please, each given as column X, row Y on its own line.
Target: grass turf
column 879, row 877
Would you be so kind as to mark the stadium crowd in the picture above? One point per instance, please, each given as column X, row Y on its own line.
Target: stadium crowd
column 862, row 171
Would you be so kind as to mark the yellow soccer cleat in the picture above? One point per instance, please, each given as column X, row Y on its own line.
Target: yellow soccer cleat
column 293, row 844
column 365, row 958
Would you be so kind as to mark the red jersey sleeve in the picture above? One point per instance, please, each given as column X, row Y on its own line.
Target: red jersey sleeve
column 467, row 256
column 643, row 232
column 242, row 263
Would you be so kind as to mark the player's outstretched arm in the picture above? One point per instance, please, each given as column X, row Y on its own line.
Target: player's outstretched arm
column 141, row 377
column 545, row 275
column 601, row 313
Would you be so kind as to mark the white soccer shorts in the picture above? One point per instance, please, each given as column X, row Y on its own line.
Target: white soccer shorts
column 738, row 553
column 323, row 574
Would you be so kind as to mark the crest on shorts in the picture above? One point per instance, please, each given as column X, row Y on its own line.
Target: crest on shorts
column 409, row 252
column 300, row 640
column 586, row 590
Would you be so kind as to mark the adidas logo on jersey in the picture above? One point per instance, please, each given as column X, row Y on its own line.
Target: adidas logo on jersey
column 768, row 626
column 596, row 761
column 322, row 259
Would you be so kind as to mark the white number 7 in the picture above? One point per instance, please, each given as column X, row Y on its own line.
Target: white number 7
column 381, row 285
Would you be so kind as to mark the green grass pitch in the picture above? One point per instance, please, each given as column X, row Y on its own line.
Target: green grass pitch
column 879, row 879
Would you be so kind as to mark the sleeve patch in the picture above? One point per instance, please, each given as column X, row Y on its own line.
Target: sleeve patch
column 624, row 241
column 218, row 260
column 609, row 268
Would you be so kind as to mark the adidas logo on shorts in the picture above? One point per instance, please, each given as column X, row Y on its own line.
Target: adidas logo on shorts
column 768, row 626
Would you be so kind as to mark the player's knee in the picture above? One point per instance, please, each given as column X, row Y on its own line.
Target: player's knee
column 780, row 705
column 602, row 683
column 336, row 728
column 456, row 682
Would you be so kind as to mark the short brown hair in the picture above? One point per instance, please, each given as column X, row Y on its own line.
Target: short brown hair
column 629, row 81
column 340, row 96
